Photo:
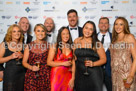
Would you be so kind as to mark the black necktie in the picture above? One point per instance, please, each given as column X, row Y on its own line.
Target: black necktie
column 73, row 28
column 49, row 35
column 102, row 39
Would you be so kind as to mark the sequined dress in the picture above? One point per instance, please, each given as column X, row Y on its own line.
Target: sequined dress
column 121, row 62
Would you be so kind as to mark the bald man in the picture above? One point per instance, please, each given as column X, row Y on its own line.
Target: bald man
column 50, row 26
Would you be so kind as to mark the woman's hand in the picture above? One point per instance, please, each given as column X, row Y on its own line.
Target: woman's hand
column 71, row 83
column 20, row 55
column 35, row 68
column 129, row 79
column 67, row 63
column 14, row 55
column 89, row 63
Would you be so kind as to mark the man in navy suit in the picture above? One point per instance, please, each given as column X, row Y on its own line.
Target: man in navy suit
column 75, row 30
column 105, row 37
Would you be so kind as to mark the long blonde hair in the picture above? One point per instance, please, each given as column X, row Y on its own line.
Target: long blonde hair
column 8, row 36
column 126, row 29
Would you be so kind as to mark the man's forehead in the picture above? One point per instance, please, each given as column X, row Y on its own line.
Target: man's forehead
column 24, row 20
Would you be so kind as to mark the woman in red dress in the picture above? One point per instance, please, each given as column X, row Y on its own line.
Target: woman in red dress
column 37, row 76
column 60, row 58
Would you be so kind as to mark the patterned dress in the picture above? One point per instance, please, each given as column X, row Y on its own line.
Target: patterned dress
column 121, row 63
column 41, row 83
column 60, row 76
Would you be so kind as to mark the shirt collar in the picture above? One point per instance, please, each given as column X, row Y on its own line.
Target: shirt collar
column 106, row 34
column 25, row 34
column 73, row 27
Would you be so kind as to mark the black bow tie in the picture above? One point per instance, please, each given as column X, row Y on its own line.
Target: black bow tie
column 49, row 35
column 73, row 28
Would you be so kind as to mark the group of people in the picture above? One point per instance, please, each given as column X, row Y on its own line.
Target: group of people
column 78, row 59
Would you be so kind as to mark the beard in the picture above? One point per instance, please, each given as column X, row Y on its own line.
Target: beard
column 49, row 29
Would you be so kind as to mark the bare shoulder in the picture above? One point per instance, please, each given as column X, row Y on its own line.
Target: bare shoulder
column 77, row 39
column 53, row 47
column 130, row 38
column 2, row 48
column 2, row 44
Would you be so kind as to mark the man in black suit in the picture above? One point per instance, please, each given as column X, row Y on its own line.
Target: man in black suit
column 24, row 24
column 75, row 30
column 105, row 37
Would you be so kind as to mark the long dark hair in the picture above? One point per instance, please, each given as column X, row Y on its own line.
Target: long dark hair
column 59, row 40
column 94, row 35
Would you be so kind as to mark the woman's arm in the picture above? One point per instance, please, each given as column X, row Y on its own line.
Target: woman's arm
column 2, row 52
column 51, row 56
column 25, row 59
column 71, row 83
column 102, row 56
column 131, row 40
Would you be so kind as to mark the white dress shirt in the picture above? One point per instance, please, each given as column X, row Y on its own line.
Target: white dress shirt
column 25, row 38
column 51, row 39
column 74, row 33
column 107, row 40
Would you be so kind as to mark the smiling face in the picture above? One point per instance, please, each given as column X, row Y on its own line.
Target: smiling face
column 72, row 19
column 16, row 33
column 88, row 30
column 103, row 25
column 119, row 26
column 65, row 35
column 40, row 33
column 24, row 24
column 49, row 24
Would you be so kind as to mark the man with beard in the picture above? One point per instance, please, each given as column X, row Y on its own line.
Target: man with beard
column 75, row 30
column 105, row 37
column 24, row 24
column 49, row 24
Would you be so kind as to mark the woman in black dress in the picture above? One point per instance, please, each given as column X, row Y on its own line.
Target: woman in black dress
column 11, row 53
column 89, row 56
